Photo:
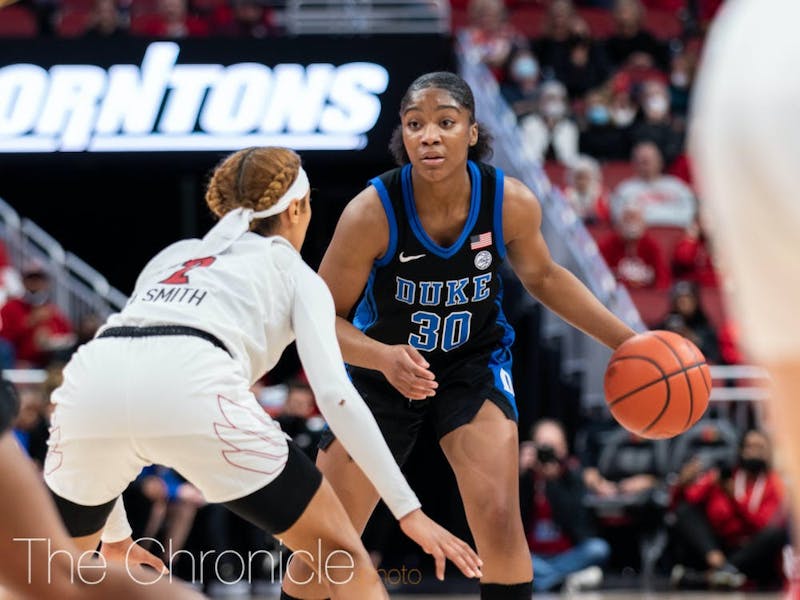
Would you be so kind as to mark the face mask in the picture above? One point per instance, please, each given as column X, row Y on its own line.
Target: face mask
column 598, row 115
column 656, row 106
column 679, row 79
column 554, row 109
column 37, row 298
column 622, row 117
column 754, row 466
column 525, row 68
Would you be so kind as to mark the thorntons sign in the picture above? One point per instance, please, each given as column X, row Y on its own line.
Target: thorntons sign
column 165, row 106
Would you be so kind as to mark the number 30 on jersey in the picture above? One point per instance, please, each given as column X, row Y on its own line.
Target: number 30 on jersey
column 448, row 333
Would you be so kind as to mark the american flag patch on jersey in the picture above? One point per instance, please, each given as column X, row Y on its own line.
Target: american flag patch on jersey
column 480, row 241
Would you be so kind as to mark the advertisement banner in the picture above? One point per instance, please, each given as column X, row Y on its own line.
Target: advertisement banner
column 145, row 98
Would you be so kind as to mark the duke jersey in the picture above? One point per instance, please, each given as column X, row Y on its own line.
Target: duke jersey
column 445, row 302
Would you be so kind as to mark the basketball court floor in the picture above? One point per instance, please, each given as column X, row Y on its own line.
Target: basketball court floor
column 641, row 595
column 628, row 595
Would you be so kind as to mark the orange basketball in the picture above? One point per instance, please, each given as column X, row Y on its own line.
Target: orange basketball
column 657, row 384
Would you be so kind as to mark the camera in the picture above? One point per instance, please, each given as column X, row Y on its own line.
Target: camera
column 546, row 454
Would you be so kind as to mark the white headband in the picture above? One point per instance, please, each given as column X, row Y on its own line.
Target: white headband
column 236, row 223
column 296, row 191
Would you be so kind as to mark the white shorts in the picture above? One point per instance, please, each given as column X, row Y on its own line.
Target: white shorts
column 745, row 140
column 174, row 401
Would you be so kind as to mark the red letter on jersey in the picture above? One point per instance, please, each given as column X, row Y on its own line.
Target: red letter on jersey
column 179, row 277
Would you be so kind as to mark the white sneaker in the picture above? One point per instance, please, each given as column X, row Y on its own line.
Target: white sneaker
column 585, row 579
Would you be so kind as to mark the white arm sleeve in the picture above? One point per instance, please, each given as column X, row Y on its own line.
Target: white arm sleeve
column 117, row 527
column 314, row 319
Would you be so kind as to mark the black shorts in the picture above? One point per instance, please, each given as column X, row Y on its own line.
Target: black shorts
column 463, row 388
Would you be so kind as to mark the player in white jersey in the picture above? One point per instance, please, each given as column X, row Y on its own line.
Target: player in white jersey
column 167, row 381
column 745, row 141
column 39, row 558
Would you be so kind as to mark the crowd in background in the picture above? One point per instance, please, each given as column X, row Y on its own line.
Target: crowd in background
column 607, row 116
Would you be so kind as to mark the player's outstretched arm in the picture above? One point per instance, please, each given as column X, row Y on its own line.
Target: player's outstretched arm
column 441, row 544
column 355, row 427
column 556, row 287
column 361, row 237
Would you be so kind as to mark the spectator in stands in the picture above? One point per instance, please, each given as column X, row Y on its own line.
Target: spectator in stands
column 657, row 124
column 692, row 259
column 31, row 425
column 666, row 200
column 731, row 523
column 687, row 317
column 34, row 324
column 557, row 29
column 520, row 85
column 174, row 21
column 583, row 65
column 105, row 21
column 245, row 18
column 297, row 417
column 174, row 502
column 491, row 34
column 585, row 190
column 606, row 128
column 681, row 76
column 630, row 39
column 551, row 132
column 10, row 287
column 10, row 281
column 632, row 253
column 87, row 327
column 564, row 547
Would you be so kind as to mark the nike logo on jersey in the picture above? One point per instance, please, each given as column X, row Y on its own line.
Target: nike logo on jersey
column 404, row 259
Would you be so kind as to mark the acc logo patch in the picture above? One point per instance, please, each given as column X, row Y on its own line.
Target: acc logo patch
column 483, row 259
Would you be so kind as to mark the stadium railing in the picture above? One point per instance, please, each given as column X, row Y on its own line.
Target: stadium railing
column 78, row 288
column 350, row 17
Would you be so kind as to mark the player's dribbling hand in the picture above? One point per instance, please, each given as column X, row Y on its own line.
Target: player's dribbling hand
column 128, row 552
column 407, row 370
column 441, row 544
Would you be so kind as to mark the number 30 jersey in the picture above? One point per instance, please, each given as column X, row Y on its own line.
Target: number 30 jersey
column 445, row 302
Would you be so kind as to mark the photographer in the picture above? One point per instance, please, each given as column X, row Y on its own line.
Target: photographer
column 558, row 526
column 731, row 522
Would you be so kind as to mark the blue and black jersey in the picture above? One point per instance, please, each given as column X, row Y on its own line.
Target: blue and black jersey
column 446, row 302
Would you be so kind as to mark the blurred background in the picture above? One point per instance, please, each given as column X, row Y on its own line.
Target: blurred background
column 114, row 112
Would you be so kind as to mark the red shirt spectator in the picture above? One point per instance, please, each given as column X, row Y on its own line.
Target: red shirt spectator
column 738, row 507
column 692, row 259
column 634, row 255
column 173, row 21
column 33, row 324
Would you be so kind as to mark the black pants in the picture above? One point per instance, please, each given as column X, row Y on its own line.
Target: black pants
column 757, row 557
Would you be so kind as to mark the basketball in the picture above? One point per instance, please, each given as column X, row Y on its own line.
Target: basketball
column 657, row 384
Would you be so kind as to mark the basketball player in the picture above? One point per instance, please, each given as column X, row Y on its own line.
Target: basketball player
column 745, row 140
column 30, row 532
column 424, row 243
column 167, row 381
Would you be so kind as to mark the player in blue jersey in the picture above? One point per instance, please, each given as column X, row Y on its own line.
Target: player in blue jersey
column 424, row 243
